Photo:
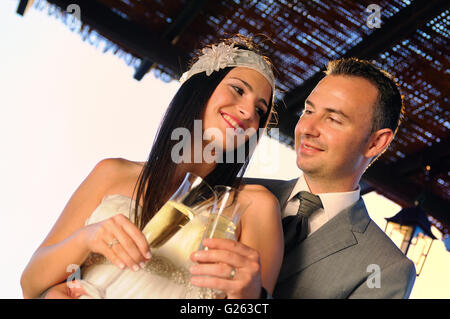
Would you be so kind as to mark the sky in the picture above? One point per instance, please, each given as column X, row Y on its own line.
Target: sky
column 65, row 106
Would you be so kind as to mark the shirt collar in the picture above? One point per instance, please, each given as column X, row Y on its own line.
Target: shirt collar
column 333, row 203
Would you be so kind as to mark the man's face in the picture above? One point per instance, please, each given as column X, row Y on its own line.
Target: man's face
column 332, row 134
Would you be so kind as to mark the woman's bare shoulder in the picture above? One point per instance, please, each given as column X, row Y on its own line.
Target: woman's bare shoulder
column 257, row 190
column 119, row 165
column 260, row 196
column 118, row 173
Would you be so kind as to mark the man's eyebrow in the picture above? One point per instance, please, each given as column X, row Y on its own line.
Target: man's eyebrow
column 251, row 89
column 329, row 109
column 339, row 112
column 310, row 103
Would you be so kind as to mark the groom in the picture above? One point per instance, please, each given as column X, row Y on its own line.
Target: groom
column 349, row 119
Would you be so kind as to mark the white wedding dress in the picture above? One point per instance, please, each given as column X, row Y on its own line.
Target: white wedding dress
column 165, row 276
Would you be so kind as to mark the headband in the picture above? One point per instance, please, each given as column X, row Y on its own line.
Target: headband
column 222, row 56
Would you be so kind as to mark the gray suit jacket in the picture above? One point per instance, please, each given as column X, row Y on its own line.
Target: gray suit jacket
column 348, row 257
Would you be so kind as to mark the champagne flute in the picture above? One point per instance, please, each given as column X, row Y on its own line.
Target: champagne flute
column 192, row 197
column 223, row 221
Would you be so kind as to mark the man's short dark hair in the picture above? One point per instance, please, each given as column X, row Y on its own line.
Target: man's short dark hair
column 389, row 105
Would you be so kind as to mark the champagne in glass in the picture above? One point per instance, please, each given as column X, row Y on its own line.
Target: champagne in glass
column 193, row 196
column 166, row 223
column 223, row 221
column 221, row 227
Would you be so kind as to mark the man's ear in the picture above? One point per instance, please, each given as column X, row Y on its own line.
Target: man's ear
column 378, row 142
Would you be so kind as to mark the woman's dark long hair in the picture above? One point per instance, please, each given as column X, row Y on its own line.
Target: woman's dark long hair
column 158, row 173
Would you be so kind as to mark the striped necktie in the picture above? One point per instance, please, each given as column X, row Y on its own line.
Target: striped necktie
column 295, row 227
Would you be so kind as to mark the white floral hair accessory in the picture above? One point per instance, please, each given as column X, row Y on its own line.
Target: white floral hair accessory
column 224, row 55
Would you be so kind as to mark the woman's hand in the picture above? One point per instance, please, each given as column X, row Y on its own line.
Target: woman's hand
column 229, row 266
column 120, row 241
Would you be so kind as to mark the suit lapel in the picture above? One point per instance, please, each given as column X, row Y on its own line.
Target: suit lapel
column 335, row 235
column 283, row 191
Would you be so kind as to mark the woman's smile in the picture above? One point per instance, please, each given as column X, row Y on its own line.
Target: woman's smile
column 232, row 122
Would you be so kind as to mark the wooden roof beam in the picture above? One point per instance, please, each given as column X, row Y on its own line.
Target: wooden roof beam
column 130, row 35
column 23, row 6
column 173, row 33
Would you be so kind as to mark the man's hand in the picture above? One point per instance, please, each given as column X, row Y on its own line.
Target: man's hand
column 62, row 291
column 229, row 266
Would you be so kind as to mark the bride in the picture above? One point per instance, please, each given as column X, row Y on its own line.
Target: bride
column 231, row 86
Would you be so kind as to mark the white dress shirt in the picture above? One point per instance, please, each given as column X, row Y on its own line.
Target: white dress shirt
column 333, row 203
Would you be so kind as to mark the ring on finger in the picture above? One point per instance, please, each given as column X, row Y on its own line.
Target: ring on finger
column 232, row 273
column 113, row 242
